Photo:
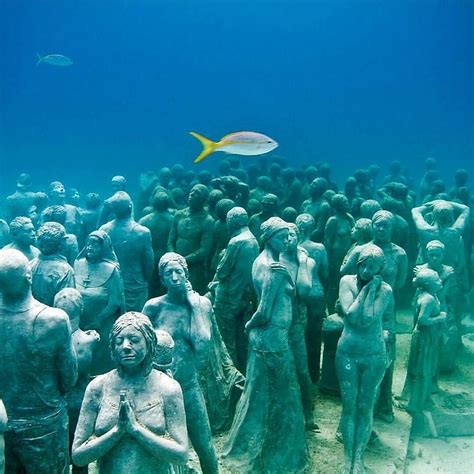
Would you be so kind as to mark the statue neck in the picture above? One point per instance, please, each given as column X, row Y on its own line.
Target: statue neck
column 18, row 303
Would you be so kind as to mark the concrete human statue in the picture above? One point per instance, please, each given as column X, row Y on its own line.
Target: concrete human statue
column 50, row 270
column 73, row 220
column 18, row 203
column 361, row 357
column 191, row 236
column 424, row 347
column 71, row 246
column 300, row 267
column 118, row 183
column 232, row 285
column 185, row 316
column 90, row 214
column 318, row 207
column 269, row 413
column 132, row 419
column 23, row 234
column 84, row 343
column 5, row 237
column 159, row 222
column 100, row 284
column 337, row 241
column 270, row 205
column 3, row 427
column 449, row 220
column 38, row 368
column 315, row 300
column 132, row 245
column 394, row 273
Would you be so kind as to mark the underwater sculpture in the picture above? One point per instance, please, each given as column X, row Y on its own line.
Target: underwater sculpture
column 270, row 206
column 361, row 357
column 270, row 412
column 191, row 236
column 132, row 419
column 132, row 245
column 318, row 207
column 424, row 348
column 3, row 427
column 50, row 270
column 315, row 300
column 84, row 342
column 186, row 317
column 99, row 282
column 23, row 235
column 232, row 285
column 38, row 368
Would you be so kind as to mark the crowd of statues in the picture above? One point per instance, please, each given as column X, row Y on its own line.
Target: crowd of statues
column 133, row 330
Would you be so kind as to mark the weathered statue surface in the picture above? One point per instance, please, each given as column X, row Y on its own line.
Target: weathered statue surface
column 132, row 419
column 23, row 235
column 38, row 368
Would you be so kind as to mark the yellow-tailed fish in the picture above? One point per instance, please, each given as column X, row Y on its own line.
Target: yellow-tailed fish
column 237, row 143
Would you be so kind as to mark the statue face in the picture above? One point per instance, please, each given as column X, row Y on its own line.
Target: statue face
column 174, row 276
column 434, row 257
column 382, row 230
column 130, row 347
column 27, row 234
column 292, row 239
column 196, row 200
column 93, row 249
column 435, row 285
column 368, row 269
column 58, row 191
column 279, row 241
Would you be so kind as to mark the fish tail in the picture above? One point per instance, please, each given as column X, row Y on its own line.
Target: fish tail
column 39, row 58
column 209, row 146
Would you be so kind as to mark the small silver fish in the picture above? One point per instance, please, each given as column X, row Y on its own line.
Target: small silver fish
column 54, row 59
column 237, row 143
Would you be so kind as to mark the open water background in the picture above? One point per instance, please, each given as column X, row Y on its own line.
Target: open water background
column 351, row 82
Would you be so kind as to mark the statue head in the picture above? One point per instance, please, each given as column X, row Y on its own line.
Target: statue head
column 289, row 214
column 254, row 206
column 370, row 262
column 369, row 207
column 57, row 192
column 23, row 231
column 24, row 182
column 311, row 173
column 362, row 231
column 55, row 214
column 428, row 280
column 133, row 343
column 340, row 203
column 164, row 350
column 443, row 213
column 160, row 201
column 223, row 207
column 274, row 233
column 15, row 274
column 50, row 238
column 198, row 196
column 325, row 170
column 237, row 218
column 205, row 177
column 435, row 253
column 305, row 223
column 382, row 226
column 461, row 177
column 173, row 271
column 121, row 204
column 70, row 301
column 92, row 201
column 269, row 204
column 264, row 183
column 317, row 187
column 350, row 185
column 293, row 236
column 118, row 183
column 165, row 176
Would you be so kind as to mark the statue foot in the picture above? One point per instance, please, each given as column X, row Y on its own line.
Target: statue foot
column 385, row 417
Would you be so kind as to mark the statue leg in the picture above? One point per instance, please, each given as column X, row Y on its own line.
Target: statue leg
column 199, row 429
column 226, row 317
column 371, row 375
column 314, row 331
column 348, row 374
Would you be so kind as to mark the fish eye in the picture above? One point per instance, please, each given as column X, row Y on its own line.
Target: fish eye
column 269, row 141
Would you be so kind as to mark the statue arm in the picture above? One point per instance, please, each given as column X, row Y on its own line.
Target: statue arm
column 227, row 262
column 352, row 308
column 86, row 447
column 173, row 448
column 419, row 219
column 402, row 270
column 147, row 256
column 116, row 300
column 303, row 277
column 427, row 307
column 322, row 218
column 324, row 266
column 385, row 304
column 463, row 217
column 173, row 235
column 349, row 264
column 330, row 232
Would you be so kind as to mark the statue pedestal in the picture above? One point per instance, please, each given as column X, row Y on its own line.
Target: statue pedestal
column 452, row 415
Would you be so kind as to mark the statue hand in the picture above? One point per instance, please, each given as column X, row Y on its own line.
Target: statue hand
column 376, row 282
column 127, row 417
column 278, row 267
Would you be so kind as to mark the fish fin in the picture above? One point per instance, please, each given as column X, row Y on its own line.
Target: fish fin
column 39, row 59
column 209, row 146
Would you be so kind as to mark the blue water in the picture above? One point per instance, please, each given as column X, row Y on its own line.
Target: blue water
column 351, row 82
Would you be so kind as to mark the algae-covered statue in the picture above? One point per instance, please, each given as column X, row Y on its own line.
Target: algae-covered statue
column 268, row 433
column 38, row 368
column 185, row 316
column 23, row 234
column 50, row 270
column 234, row 293
column 424, row 348
column 132, row 419
column 132, row 244
column 191, row 236
column 361, row 356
